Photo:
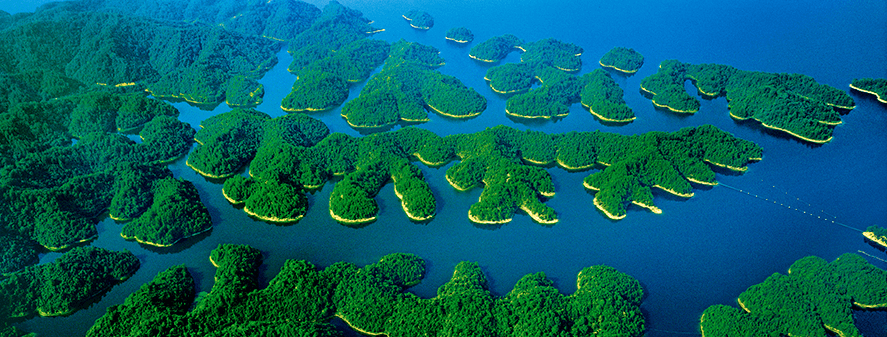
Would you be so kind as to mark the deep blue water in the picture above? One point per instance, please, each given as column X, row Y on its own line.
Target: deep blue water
column 701, row 251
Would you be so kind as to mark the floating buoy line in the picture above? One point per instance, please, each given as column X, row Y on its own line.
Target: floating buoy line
column 822, row 214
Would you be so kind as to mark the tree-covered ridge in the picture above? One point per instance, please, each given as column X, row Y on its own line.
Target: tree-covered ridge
column 876, row 234
column 175, row 213
column 460, row 35
column 60, row 287
column 603, row 98
column 815, row 298
column 16, row 253
column 284, row 163
column 407, row 86
column 323, row 84
column 419, row 19
column 190, row 61
column 626, row 60
column 495, row 48
column 278, row 20
column 874, row 86
column 793, row 103
column 301, row 300
column 669, row 161
column 58, row 192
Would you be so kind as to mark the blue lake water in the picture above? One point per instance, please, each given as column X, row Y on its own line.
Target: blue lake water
column 701, row 251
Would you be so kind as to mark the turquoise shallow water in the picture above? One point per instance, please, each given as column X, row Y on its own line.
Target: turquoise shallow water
column 701, row 251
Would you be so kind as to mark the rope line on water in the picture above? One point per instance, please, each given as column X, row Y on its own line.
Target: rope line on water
column 833, row 219
column 872, row 256
column 677, row 332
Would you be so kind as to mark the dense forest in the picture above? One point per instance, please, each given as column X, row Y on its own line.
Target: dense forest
column 495, row 48
column 815, row 297
column 58, row 191
column 291, row 154
column 301, row 300
column 793, row 103
column 330, row 55
column 460, row 35
column 60, row 287
column 406, row 86
column 626, row 60
column 874, row 86
column 419, row 19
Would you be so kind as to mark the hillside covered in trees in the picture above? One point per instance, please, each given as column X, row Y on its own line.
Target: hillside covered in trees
column 815, row 297
column 872, row 86
column 288, row 155
column 301, row 300
column 793, row 103
column 408, row 87
column 626, row 60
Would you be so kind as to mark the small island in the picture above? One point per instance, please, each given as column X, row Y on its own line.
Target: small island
column 495, row 49
column 815, row 297
column 460, row 35
column 877, row 235
column 302, row 299
column 622, row 59
column 874, row 86
column 419, row 19
column 792, row 103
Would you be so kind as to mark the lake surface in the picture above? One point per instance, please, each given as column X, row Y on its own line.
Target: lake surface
column 700, row 251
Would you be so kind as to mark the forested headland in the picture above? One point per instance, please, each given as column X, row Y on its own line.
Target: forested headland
column 290, row 154
column 793, row 103
column 373, row 299
column 877, row 235
column 815, row 297
column 873, row 86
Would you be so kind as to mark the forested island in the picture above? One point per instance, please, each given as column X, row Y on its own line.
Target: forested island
column 419, row 19
column 873, row 86
column 301, row 300
column 330, row 55
column 877, row 235
column 793, row 103
column 626, row 60
column 408, row 87
column 495, row 49
column 290, row 154
column 815, row 297
column 460, row 35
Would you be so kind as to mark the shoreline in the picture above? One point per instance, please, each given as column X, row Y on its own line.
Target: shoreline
column 503, row 92
column 457, row 187
column 404, row 206
column 870, row 306
column 162, row 245
column 685, row 195
column 451, row 115
column 342, row 317
column 654, row 209
column 482, row 60
column 454, row 40
column 797, row 135
column 871, row 236
column 605, row 119
column 350, row 221
column 880, row 99
column 673, row 109
column 69, row 244
column 536, row 217
column 208, row 175
column 617, row 68
column 231, row 200
column 608, row 214
column 270, row 218
column 575, row 168
column 733, row 168
column 487, row 222
column 742, row 305
column 715, row 183
column 532, row 117
column 536, row 162
column 428, row 163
